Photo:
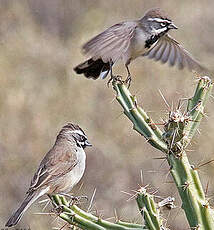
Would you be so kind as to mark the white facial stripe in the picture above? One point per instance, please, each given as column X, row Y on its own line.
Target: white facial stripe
column 78, row 132
column 158, row 31
column 159, row 20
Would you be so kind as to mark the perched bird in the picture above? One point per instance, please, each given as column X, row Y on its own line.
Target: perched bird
column 61, row 168
column 128, row 40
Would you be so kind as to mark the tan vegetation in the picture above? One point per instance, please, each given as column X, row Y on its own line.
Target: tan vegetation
column 40, row 43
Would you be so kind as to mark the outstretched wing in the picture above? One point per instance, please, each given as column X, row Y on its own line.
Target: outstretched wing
column 169, row 50
column 53, row 167
column 111, row 44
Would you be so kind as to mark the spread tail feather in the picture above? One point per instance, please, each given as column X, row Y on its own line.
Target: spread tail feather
column 93, row 69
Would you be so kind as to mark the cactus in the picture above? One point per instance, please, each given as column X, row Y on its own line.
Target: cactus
column 179, row 130
column 149, row 210
column 84, row 220
column 172, row 141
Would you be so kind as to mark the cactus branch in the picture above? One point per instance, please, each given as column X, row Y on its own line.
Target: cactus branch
column 195, row 107
column 84, row 220
column 141, row 121
column 149, row 210
column 177, row 134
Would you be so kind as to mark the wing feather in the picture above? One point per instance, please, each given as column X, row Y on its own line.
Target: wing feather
column 179, row 59
column 160, row 51
column 153, row 52
column 169, row 50
column 52, row 168
column 172, row 55
column 111, row 44
column 166, row 53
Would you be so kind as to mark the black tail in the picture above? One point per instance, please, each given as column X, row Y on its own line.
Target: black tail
column 93, row 69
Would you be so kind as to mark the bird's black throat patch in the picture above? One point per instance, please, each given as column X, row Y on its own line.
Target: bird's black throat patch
column 154, row 38
column 151, row 41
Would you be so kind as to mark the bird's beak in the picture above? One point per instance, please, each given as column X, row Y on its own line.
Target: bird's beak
column 87, row 143
column 172, row 26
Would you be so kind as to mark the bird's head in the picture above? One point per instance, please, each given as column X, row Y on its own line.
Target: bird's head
column 157, row 22
column 75, row 134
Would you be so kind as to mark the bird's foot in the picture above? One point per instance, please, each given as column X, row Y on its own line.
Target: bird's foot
column 58, row 209
column 117, row 78
column 110, row 80
column 76, row 200
column 128, row 81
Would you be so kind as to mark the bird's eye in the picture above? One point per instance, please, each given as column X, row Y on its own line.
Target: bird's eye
column 163, row 24
column 79, row 137
column 82, row 139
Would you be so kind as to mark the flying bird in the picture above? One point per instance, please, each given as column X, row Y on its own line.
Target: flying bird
column 128, row 40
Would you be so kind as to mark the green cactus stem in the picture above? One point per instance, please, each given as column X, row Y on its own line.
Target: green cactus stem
column 84, row 220
column 195, row 107
column 141, row 121
column 177, row 134
column 149, row 210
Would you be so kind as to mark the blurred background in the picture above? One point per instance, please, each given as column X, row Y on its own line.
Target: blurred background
column 40, row 43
